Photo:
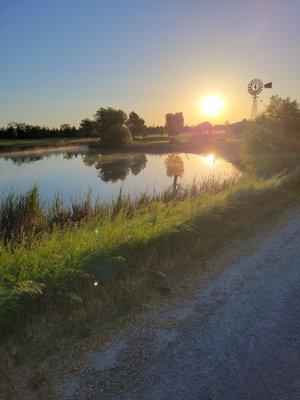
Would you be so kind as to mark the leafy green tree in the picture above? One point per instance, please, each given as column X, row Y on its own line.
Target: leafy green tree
column 136, row 124
column 174, row 123
column 105, row 118
column 68, row 130
column 155, row 130
column 271, row 143
column 118, row 135
column 87, row 126
column 284, row 116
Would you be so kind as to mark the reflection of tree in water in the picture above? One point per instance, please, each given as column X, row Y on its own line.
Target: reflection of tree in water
column 70, row 155
column 25, row 159
column 30, row 158
column 111, row 172
column 174, row 167
column 113, row 168
column 138, row 163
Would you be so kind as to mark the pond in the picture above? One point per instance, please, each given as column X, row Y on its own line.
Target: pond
column 73, row 173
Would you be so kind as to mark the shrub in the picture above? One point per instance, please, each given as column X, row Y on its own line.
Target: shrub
column 118, row 135
column 271, row 143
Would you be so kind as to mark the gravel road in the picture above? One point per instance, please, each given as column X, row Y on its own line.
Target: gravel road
column 239, row 338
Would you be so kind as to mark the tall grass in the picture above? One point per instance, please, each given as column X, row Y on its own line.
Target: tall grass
column 24, row 216
column 116, row 253
column 21, row 215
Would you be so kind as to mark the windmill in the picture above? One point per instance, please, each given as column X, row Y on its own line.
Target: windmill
column 255, row 87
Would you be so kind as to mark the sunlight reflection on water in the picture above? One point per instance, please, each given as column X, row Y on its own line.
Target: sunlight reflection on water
column 73, row 173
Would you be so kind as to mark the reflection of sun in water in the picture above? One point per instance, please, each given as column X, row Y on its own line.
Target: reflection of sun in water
column 210, row 160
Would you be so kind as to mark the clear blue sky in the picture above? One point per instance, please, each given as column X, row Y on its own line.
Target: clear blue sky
column 62, row 59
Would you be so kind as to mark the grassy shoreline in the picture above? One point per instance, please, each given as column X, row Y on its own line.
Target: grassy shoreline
column 227, row 145
column 38, row 144
column 133, row 244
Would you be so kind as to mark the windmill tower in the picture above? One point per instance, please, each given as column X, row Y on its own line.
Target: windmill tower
column 255, row 87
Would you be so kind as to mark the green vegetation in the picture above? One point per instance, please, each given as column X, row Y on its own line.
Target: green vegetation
column 136, row 125
column 118, row 135
column 32, row 144
column 174, row 123
column 272, row 142
column 19, row 130
column 125, row 247
column 21, row 134
column 105, row 118
column 65, row 271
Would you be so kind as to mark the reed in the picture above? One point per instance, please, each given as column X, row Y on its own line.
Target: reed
column 24, row 216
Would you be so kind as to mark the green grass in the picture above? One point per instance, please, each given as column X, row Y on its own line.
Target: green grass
column 64, row 286
column 129, row 247
column 15, row 145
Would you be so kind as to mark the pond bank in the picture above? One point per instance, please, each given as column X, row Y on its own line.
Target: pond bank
column 88, row 278
column 33, row 145
column 185, row 143
column 130, row 230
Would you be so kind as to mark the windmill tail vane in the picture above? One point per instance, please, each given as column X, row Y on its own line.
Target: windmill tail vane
column 255, row 87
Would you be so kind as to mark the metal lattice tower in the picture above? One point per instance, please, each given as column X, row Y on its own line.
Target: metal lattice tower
column 254, row 88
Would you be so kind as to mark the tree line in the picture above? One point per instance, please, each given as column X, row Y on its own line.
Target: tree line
column 99, row 126
column 111, row 125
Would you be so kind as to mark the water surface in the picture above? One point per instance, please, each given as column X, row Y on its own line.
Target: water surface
column 72, row 174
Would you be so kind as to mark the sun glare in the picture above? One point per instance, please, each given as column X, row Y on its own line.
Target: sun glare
column 210, row 160
column 212, row 105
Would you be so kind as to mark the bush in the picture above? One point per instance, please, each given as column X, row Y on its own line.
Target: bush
column 118, row 135
column 271, row 143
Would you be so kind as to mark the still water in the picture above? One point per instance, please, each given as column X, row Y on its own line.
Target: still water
column 73, row 173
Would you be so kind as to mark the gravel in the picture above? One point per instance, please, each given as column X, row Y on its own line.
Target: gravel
column 239, row 338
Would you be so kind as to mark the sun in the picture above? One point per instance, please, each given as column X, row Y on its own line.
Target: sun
column 212, row 105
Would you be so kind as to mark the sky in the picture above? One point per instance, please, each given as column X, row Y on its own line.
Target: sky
column 61, row 60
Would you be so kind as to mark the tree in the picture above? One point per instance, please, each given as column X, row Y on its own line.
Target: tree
column 204, row 128
column 68, row 130
column 118, row 135
column 174, row 123
column 155, row 130
column 271, row 143
column 284, row 115
column 136, row 124
column 87, row 126
column 105, row 118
